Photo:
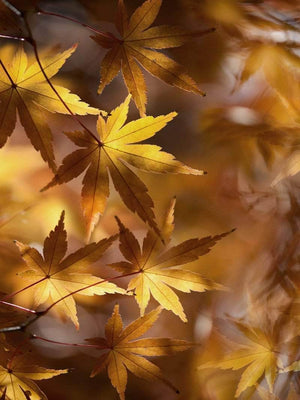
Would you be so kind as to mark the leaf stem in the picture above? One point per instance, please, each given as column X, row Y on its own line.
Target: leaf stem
column 33, row 336
column 87, row 287
column 18, row 307
column 20, row 38
column 76, row 21
column 7, row 73
column 9, row 296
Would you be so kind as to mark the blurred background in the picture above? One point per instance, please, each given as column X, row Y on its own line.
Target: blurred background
column 244, row 133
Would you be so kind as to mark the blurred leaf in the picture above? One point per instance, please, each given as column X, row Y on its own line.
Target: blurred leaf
column 258, row 353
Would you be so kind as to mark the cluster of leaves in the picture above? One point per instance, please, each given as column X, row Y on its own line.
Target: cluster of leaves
column 54, row 278
column 264, row 342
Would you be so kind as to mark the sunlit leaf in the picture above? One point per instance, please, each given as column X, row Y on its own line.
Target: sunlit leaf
column 124, row 351
column 135, row 46
column 55, row 277
column 157, row 268
column 23, row 87
column 117, row 147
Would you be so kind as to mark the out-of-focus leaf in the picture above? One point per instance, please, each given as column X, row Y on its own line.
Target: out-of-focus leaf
column 258, row 353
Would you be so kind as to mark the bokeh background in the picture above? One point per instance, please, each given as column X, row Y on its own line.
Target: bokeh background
column 244, row 133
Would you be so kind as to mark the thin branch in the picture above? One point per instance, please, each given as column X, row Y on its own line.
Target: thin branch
column 12, row 8
column 18, row 307
column 63, row 343
column 20, row 38
column 76, row 21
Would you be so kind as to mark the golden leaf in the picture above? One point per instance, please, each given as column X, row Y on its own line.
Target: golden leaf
column 116, row 148
column 157, row 270
column 18, row 374
column 55, row 277
column 258, row 352
column 124, row 351
column 23, row 87
column 135, row 47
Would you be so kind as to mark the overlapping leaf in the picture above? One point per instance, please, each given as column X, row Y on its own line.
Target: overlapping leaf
column 55, row 277
column 23, row 88
column 258, row 352
column 117, row 147
column 124, row 352
column 158, row 269
column 138, row 45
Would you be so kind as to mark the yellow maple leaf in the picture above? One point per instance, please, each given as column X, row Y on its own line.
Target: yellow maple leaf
column 157, row 270
column 258, row 352
column 54, row 277
column 17, row 376
column 136, row 47
column 124, row 351
column 116, row 148
column 23, row 87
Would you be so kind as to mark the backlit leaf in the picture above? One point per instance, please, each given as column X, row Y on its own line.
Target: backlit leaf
column 158, row 269
column 135, row 47
column 23, row 87
column 54, row 276
column 116, row 149
column 126, row 351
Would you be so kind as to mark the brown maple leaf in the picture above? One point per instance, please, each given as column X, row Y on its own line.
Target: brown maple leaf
column 137, row 45
column 123, row 352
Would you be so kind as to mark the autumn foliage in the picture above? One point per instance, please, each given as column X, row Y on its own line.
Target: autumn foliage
column 119, row 262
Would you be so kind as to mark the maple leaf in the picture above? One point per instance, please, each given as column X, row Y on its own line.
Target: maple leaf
column 124, row 351
column 17, row 376
column 258, row 352
column 117, row 148
column 157, row 270
column 23, row 87
column 136, row 47
column 54, row 277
